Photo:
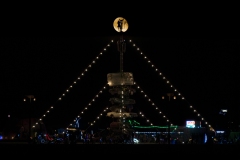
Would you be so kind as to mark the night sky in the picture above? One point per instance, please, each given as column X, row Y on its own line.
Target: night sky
column 204, row 71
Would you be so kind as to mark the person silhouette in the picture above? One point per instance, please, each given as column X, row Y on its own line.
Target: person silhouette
column 120, row 22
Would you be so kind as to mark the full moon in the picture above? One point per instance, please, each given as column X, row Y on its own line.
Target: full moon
column 120, row 24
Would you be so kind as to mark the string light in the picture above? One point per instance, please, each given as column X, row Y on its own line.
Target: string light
column 153, row 104
column 100, row 115
column 148, row 121
column 163, row 77
column 79, row 77
column 89, row 104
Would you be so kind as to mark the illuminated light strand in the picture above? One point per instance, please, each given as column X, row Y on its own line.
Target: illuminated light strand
column 101, row 114
column 168, row 82
column 148, row 121
column 153, row 104
column 89, row 104
column 85, row 70
column 75, row 82
column 98, row 117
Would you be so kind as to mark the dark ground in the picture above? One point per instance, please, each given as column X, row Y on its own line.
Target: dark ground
column 120, row 149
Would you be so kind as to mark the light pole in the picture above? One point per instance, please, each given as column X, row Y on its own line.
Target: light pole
column 31, row 98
